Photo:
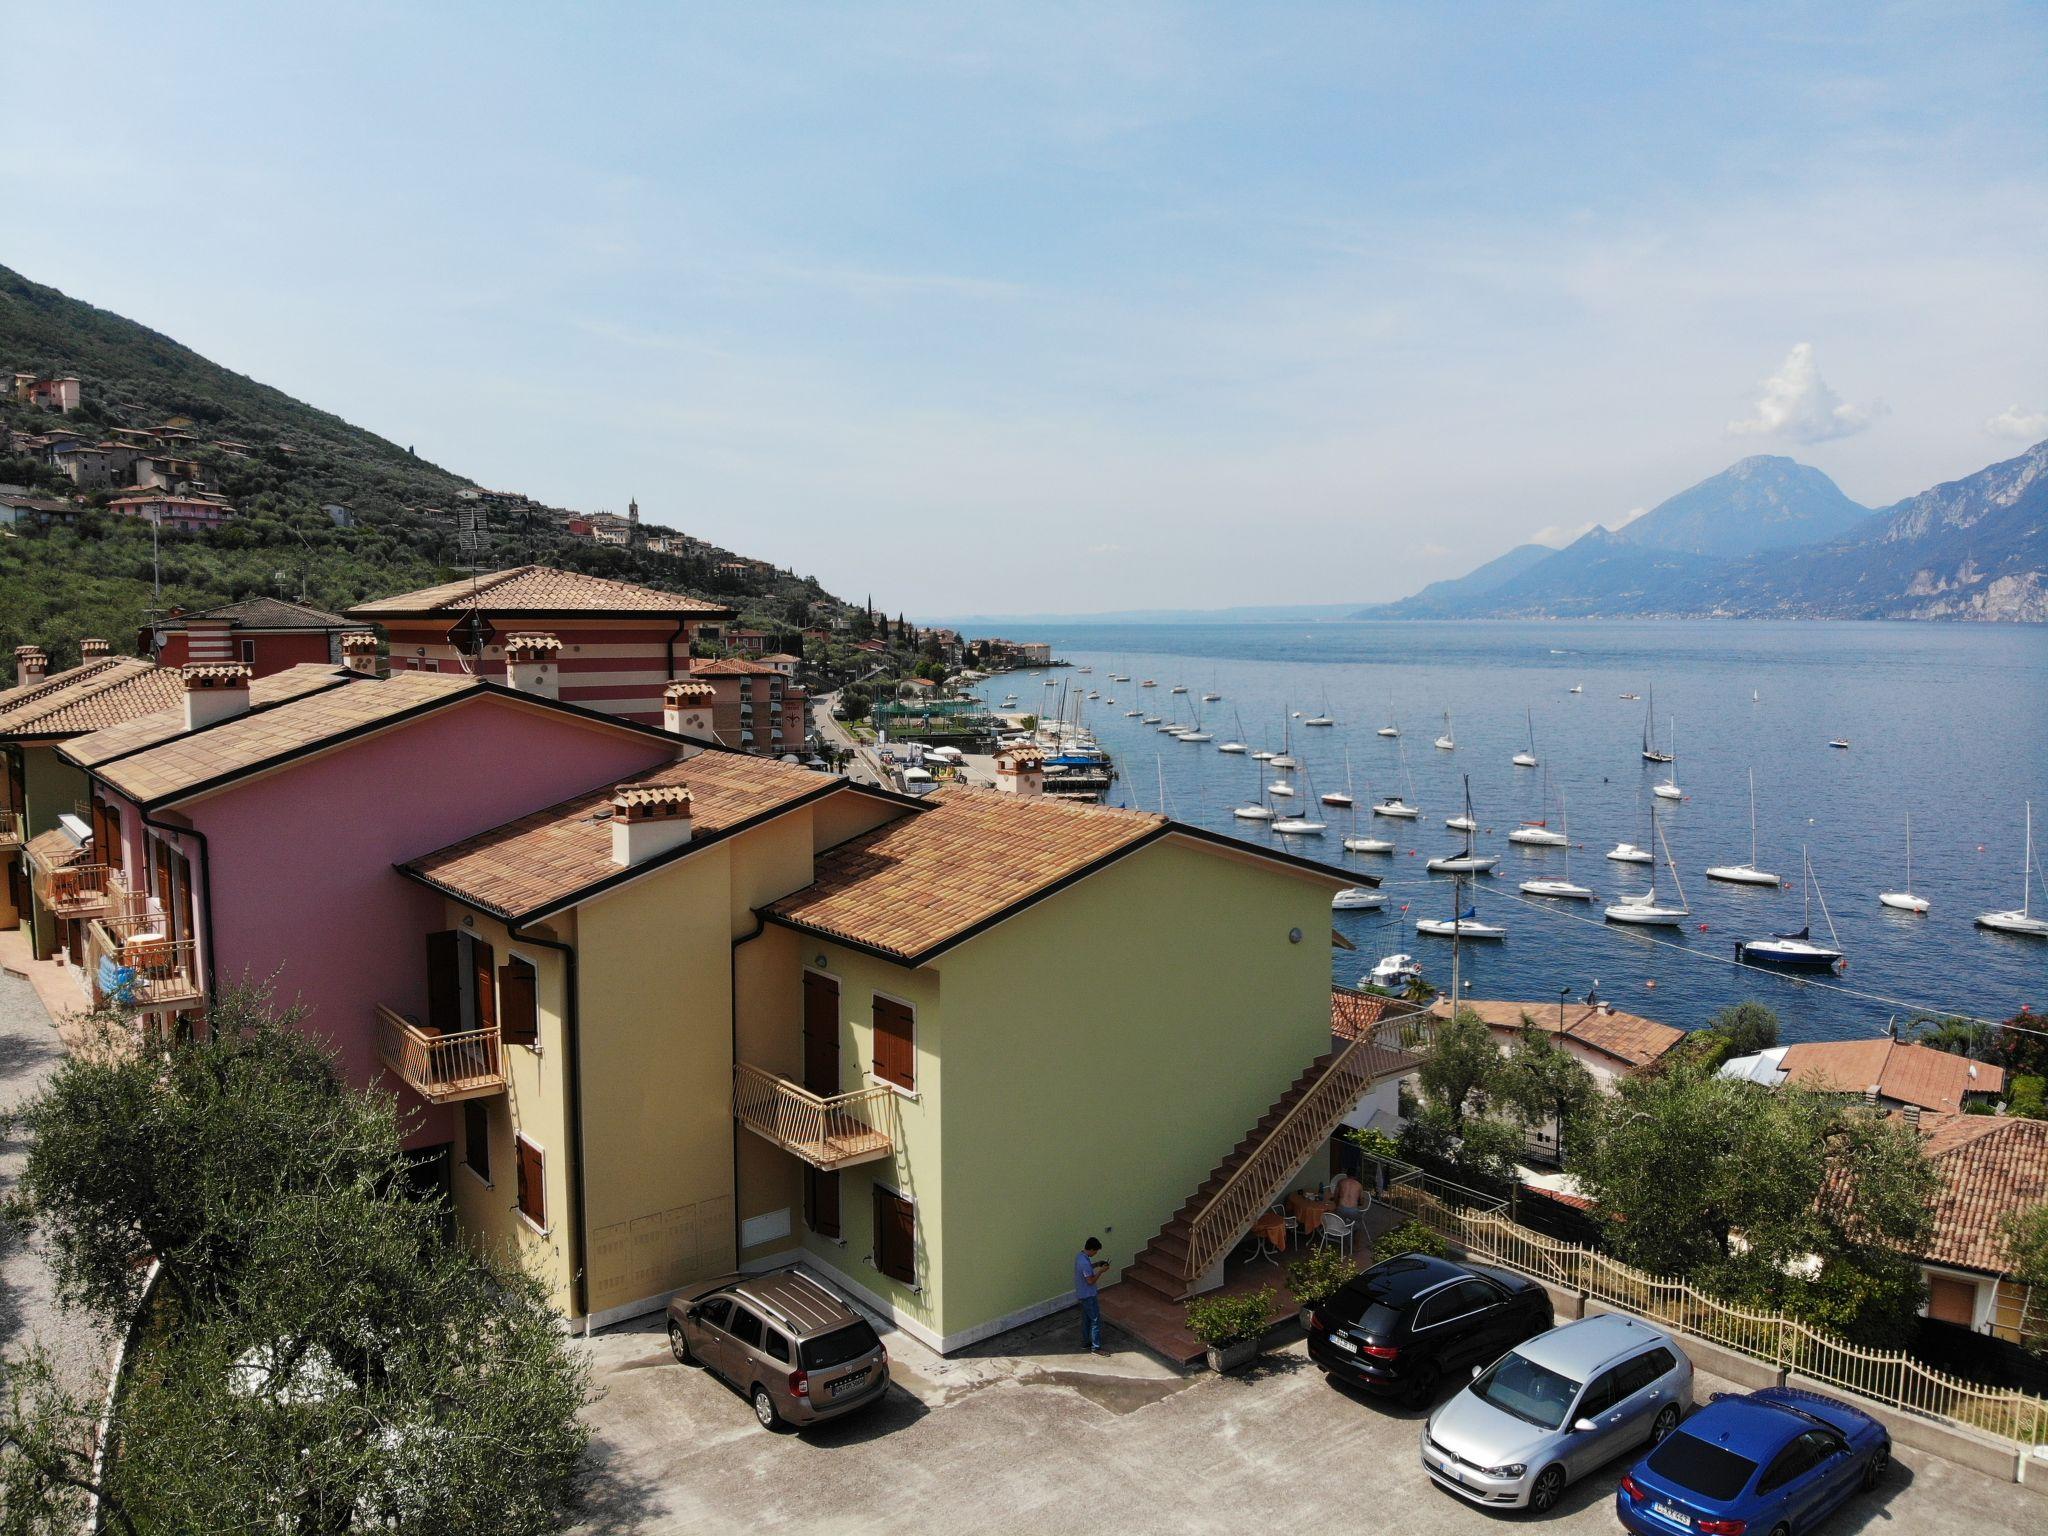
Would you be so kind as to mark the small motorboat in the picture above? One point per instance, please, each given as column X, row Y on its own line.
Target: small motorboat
column 1576, row 688
column 1563, row 890
column 1465, row 925
column 1368, row 845
column 1148, row 683
column 1465, row 863
column 1398, row 808
column 1339, row 798
column 1153, row 719
column 1629, row 853
column 1357, row 898
column 1234, row 747
column 1461, row 823
column 1180, row 687
column 1394, row 971
column 1319, row 720
column 1839, row 744
column 1211, row 698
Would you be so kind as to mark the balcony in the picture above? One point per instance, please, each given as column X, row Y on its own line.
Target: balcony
column 441, row 1068
column 71, row 890
column 827, row 1133
column 130, row 962
column 10, row 831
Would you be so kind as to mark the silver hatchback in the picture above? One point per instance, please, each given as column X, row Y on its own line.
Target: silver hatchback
column 1562, row 1404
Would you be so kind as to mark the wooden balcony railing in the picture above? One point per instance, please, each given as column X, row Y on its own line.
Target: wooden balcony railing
column 10, row 831
column 441, row 1068
column 129, row 965
column 72, row 890
column 827, row 1133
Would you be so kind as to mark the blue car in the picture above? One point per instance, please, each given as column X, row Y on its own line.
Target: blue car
column 1773, row 1463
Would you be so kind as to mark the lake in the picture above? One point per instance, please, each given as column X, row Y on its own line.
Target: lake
column 1949, row 723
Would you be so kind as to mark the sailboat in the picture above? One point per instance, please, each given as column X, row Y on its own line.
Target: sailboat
column 1392, row 727
column 1342, row 798
column 1211, row 696
column 1447, row 742
column 1284, row 758
column 1180, row 687
column 1645, row 911
column 1797, row 951
column 1652, row 753
column 1195, row 732
column 1300, row 824
column 1749, row 874
column 1527, row 757
column 1563, row 889
column 1460, row 924
column 1669, row 789
column 1394, row 805
column 1256, row 808
column 1325, row 718
column 2023, row 920
column 1537, row 834
column 1235, row 745
column 1576, row 688
column 1629, row 853
column 1354, row 842
column 1465, row 861
column 1906, row 901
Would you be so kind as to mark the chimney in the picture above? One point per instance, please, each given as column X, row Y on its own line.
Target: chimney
column 531, row 667
column 1021, row 771
column 30, row 665
column 359, row 652
column 94, row 650
column 214, row 691
column 686, row 709
column 1912, row 1117
column 648, row 819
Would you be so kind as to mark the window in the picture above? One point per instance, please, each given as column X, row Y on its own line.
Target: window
column 1602, row 1395
column 775, row 1346
column 518, row 1008
column 249, row 652
column 821, row 1202
column 1796, row 1458
column 1644, row 1370
column 895, row 1042
column 533, row 1203
column 106, row 833
column 895, row 1236
column 476, row 1138
column 717, row 1311
column 746, row 1327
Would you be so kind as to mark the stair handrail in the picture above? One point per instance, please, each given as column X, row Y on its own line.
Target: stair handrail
column 1216, row 1227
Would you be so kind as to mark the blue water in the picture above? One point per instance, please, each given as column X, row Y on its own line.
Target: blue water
column 1948, row 722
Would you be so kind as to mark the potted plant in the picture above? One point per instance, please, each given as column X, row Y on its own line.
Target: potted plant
column 1231, row 1326
column 1317, row 1274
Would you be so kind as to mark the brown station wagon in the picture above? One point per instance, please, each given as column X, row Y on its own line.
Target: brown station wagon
column 795, row 1350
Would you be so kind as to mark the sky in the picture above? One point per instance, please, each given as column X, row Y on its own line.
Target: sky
column 1000, row 308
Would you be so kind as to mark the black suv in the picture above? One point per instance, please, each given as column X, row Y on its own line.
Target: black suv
column 1406, row 1324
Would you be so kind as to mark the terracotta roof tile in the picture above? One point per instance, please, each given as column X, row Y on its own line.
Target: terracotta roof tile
column 248, row 741
column 553, row 855
column 535, row 591
column 23, row 693
column 152, row 730
column 733, row 666
column 1991, row 1166
column 911, row 885
column 263, row 613
column 1626, row 1037
column 1901, row 1070
column 55, row 848
column 127, row 688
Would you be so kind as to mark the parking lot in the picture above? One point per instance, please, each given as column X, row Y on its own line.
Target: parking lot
column 1031, row 1433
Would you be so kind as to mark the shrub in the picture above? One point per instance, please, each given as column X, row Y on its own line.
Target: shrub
column 1220, row 1320
column 1410, row 1237
column 1374, row 1144
column 1320, row 1272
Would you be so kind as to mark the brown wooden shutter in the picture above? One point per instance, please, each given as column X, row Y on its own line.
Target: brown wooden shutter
column 518, row 1006
column 895, row 1048
column 481, row 976
column 444, row 981
column 895, row 1236
column 821, row 1202
column 821, row 1034
column 476, row 1137
column 532, row 1184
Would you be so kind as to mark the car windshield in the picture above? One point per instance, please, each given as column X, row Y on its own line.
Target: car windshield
column 1362, row 1312
column 839, row 1346
column 1527, row 1390
column 1712, row 1471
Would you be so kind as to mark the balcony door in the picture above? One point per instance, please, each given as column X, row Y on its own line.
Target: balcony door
column 821, row 1034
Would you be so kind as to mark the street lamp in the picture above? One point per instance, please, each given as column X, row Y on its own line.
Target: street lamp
column 1562, row 994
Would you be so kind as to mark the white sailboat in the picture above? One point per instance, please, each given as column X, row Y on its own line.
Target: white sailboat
column 2022, row 920
column 1563, row 889
column 1235, row 745
column 1392, row 727
column 1325, row 718
column 1447, row 742
column 1195, row 732
column 1576, row 688
column 1465, row 861
column 1537, row 834
column 1284, row 758
column 1527, row 757
column 1255, row 809
column 1342, row 799
column 1652, row 753
column 1797, row 951
column 1461, row 924
column 1669, row 789
column 1645, row 911
column 1395, row 806
column 1746, row 874
column 1905, row 900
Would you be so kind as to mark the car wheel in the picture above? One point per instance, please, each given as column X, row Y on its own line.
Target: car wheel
column 1544, row 1492
column 679, row 1346
column 1667, row 1421
column 1874, row 1469
column 1422, row 1389
column 764, row 1409
column 1781, row 1529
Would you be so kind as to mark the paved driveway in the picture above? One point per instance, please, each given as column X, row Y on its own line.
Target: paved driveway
column 1043, row 1438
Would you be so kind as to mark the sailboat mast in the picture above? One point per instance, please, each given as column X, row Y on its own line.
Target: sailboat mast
column 1752, row 831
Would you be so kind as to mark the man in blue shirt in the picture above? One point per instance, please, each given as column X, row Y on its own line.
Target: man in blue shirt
column 1087, row 1277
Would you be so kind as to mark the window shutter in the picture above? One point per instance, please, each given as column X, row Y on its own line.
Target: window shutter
column 444, row 981
column 481, row 977
column 476, row 1137
column 821, row 1202
column 895, row 1050
column 532, row 1189
column 518, row 1006
column 895, row 1236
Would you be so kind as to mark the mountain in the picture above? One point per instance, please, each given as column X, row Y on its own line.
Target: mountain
column 1250, row 613
column 1449, row 596
column 1761, row 503
column 282, row 462
column 1599, row 573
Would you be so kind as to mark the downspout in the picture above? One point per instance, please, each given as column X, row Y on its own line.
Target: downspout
column 681, row 626
column 205, row 892
column 733, row 1013
column 572, row 1040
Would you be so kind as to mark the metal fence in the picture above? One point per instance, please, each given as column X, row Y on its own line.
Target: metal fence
column 1892, row 1377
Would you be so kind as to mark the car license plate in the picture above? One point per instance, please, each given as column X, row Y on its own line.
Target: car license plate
column 847, row 1384
column 1343, row 1343
column 1676, row 1516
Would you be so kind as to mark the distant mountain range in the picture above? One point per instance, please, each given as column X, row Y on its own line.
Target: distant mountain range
column 1772, row 538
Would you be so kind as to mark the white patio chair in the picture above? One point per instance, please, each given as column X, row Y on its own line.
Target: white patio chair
column 1336, row 1229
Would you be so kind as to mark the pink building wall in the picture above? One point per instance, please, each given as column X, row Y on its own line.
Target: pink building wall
column 301, row 860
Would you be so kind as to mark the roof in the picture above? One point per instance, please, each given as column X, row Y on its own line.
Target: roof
column 1900, row 1070
column 256, row 739
column 1579, row 1349
column 152, row 730
column 922, row 883
column 92, row 697
column 55, row 848
column 538, row 590
column 264, row 613
column 1628, row 1038
column 1991, row 1166
column 546, row 860
column 22, row 693
column 1355, row 1015
column 732, row 666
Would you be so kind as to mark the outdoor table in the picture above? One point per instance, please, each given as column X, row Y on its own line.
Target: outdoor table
column 1272, row 1228
column 1309, row 1211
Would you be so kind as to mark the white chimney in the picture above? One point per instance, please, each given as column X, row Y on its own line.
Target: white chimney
column 531, row 665
column 214, row 691
column 648, row 819
column 31, row 664
column 94, row 650
column 686, row 709
column 1021, row 771
column 359, row 652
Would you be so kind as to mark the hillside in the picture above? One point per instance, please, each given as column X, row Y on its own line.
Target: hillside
column 1449, row 597
column 290, row 461
column 1759, row 504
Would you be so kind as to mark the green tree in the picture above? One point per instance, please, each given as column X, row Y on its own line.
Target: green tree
column 2026, row 1246
column 1464, row 1061
column 1746, row 1028
column 1540, row 1082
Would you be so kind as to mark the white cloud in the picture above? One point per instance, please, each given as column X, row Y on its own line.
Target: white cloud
column 1797, row 403
column 2027, row 426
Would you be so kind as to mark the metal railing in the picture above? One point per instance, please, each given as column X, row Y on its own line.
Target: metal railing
column 1891, row 1377
column 441, row 1068
column 826, row 1132
column 1220, row 1224
column 128, row 965
column 72, row 890
column 10, row 830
